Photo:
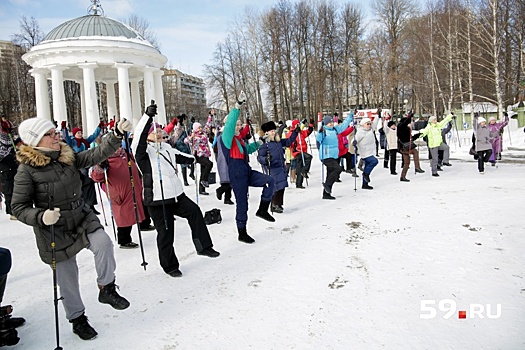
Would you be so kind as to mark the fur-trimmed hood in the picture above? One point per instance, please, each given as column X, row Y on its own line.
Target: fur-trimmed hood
column 40, row 158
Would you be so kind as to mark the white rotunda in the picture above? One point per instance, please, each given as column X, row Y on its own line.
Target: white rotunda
column 91, row 49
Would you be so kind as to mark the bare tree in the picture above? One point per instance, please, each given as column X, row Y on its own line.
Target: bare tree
column 143, row 27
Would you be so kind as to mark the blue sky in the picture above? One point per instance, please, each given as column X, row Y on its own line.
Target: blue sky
column 187, row 30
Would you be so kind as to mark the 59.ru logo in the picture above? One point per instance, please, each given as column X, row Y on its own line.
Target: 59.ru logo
column 448, row 308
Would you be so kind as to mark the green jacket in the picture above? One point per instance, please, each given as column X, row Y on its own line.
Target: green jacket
column 45, row 173
column 433, row 132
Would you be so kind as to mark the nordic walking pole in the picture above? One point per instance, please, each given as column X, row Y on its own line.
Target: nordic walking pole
column 102, row 205
column 110, row 205
column 268, row 160
column 354, row 143
column 54, row 268
column 128, row 158
column 160, row 175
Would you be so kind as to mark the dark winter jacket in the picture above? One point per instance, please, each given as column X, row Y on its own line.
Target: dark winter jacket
column 44, row 174
column 276, row 158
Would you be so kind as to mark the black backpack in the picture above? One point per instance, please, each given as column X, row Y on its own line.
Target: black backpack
column 212, row 216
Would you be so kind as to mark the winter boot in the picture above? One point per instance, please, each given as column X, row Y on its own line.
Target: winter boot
column 327, row 195
column 8, row 322
column 243, row 236
column 185, row 176
column 219, row 191
column 367, row 177
column 361, row 165
column 108, row 295
column 202, row 191
column 9, row 337
column 82, row 328
column 277, row 209
column 262, row 212
column 366, row 186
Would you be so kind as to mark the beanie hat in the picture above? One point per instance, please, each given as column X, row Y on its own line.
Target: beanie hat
column 365, row 120
column 481, row 120
column 196, row 125
column 432, row 119
column 294, row 123
column 268, row 126
column 75, row 130
column 390, row 123
column 288, row 123
column 327, row 120
column 153, row 127
column 32, row 130
column 491, row 119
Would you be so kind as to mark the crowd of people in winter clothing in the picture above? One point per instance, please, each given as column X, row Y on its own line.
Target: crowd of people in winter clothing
column 50, row 175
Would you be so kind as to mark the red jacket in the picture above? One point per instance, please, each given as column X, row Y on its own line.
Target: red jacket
column 120, row 188
column 300, row 145
column 341, row 145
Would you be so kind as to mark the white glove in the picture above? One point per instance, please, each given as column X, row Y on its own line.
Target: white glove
column 240, row 100
column 123, row 126
column 50, row 217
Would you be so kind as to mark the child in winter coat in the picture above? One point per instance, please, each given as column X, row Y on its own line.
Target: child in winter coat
column 164, row 194
column 242, row 176
column 271, row 157
column 366, row 144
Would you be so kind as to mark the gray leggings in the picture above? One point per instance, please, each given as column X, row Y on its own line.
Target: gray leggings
column 67, row 272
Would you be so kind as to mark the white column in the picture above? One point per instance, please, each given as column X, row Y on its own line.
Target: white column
column 124, row 97
column 159, row 96
column 149, row 86
column 111, row 101
column 135, row 101
column 90, row 94
column 59, row 98
column 82, row 108
column 41, row 93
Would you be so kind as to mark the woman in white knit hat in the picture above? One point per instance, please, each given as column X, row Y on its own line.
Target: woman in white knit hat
column 47, row 195
column 483, row 146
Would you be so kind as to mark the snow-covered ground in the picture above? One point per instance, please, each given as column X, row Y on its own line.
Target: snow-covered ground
column 345, row 274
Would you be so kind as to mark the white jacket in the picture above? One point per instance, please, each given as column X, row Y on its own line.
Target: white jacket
column 165, row 159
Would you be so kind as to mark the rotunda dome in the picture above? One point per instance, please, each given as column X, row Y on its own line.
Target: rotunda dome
column 92, row 25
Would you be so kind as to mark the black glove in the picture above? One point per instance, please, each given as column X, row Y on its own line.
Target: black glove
column 312, row 121
column 151, row 110
column 454, row 117
column 192, row 119
column 298, row 128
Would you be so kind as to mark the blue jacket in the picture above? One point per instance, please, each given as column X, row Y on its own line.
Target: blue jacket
column 328, row 140
column 277, row 164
